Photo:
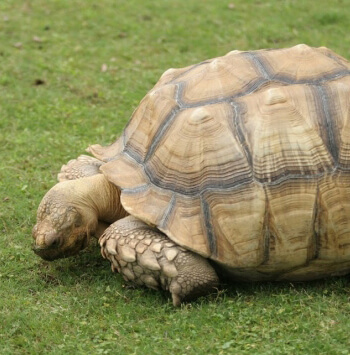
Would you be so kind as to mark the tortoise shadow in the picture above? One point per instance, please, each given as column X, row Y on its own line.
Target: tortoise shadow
column 88, row 268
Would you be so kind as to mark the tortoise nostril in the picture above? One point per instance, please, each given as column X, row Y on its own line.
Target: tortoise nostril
column 52, row 240
column 54, row 243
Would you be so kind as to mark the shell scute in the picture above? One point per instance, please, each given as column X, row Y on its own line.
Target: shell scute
column 186, row 217
column 222, row 77
column 148, row 119
column 285, row 138
column 187, row 157
column 291, row 222
column 334, row 222
column 300, row 64
column 237, row 218
column 339, row 92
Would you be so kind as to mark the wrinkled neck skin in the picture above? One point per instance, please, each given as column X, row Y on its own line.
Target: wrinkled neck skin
column 96, row 195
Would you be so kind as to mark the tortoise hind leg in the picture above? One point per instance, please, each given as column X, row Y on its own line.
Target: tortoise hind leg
column 146, row 257
column 196, row 277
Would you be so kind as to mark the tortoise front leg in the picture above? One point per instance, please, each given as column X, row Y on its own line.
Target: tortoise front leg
column 146, row 257
column 80, row 167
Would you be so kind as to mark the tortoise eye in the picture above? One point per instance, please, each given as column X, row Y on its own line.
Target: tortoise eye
column 78, row 223
column 78, row 220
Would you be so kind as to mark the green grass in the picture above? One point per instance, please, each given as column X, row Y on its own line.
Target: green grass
column 55, row 100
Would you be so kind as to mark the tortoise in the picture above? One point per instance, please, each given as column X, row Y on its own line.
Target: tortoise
column 238, row 166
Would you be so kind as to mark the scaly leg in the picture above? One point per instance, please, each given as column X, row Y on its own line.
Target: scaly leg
column 80, row 167
column 146, row 257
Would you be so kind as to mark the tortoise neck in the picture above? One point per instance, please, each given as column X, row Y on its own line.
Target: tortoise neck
column 102, row 197
column 106, row 198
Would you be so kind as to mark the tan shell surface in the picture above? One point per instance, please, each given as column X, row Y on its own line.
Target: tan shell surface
column 245, row 159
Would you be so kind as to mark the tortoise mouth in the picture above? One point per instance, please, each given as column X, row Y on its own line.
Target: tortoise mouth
column 53, row 252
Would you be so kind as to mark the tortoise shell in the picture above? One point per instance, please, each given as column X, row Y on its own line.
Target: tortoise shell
column 245, row 159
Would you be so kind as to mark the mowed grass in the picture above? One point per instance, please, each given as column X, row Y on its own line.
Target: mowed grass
column 71, row 74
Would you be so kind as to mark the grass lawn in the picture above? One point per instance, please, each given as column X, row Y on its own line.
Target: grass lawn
column 72, row 72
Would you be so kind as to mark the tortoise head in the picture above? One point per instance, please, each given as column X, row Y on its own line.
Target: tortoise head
column 62, row 228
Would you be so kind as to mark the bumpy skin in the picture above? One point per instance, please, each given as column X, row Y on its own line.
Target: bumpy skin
column 78, row 168
column 146, row 257
column 82, row 205
column 59, row 231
